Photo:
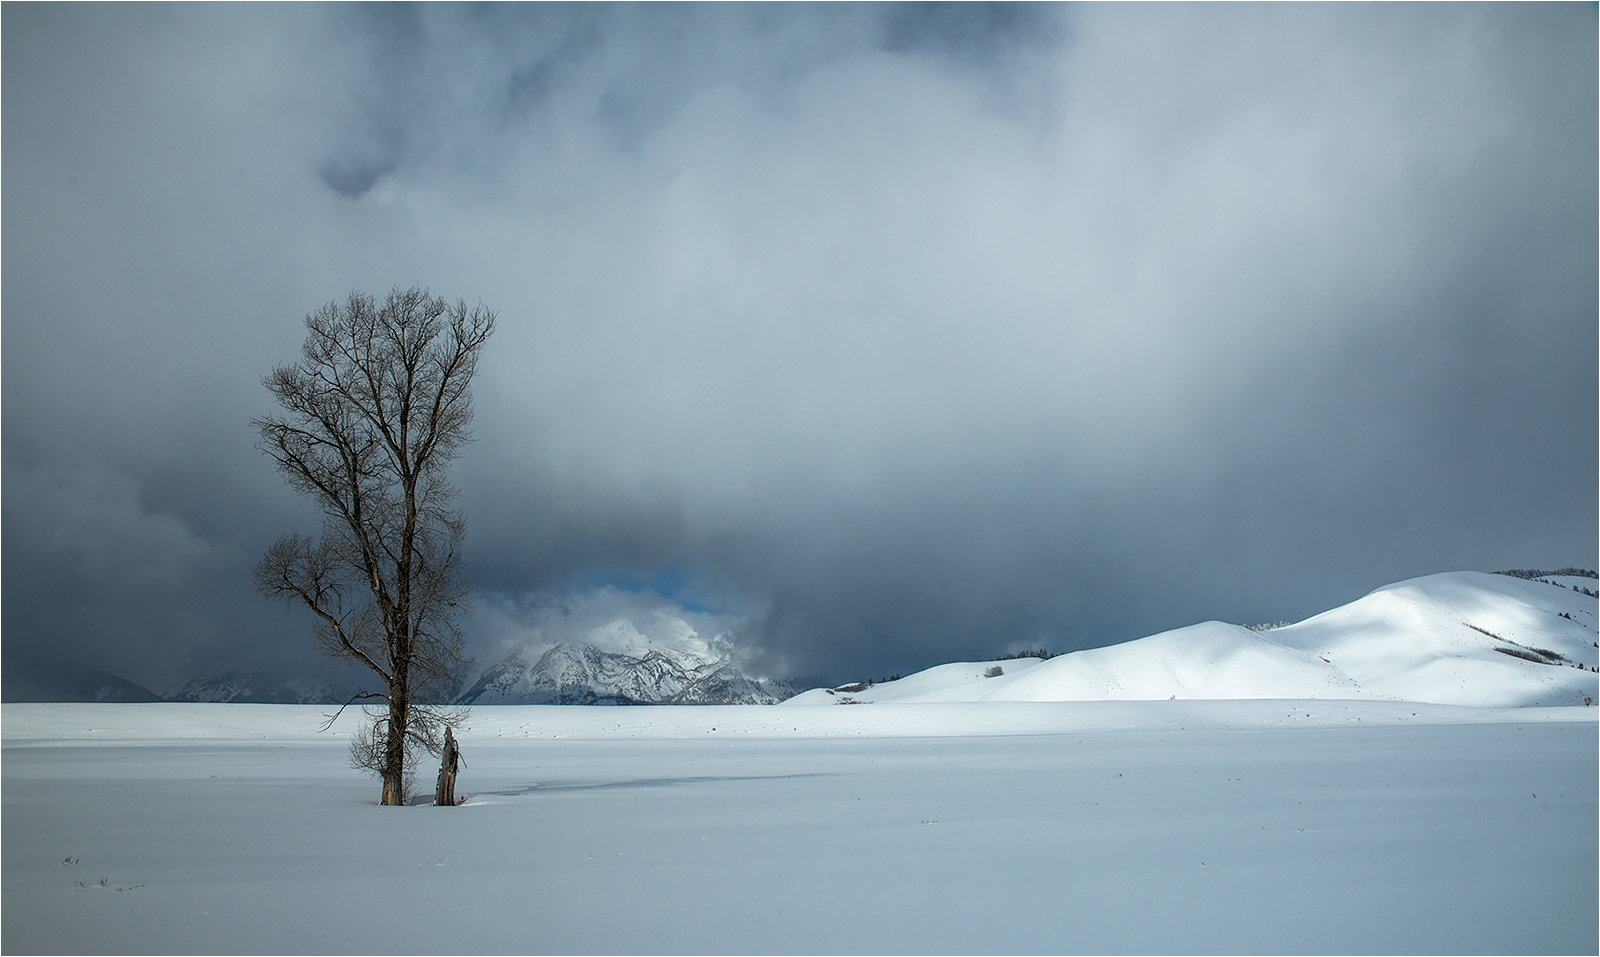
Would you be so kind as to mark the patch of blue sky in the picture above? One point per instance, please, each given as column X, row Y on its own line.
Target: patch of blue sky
column 679, row 587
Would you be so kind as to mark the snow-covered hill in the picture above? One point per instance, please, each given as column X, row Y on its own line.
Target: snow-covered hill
column 1463, row 638
column 580, row 673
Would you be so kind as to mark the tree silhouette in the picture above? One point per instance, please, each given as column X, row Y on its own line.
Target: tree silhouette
column 373, row 413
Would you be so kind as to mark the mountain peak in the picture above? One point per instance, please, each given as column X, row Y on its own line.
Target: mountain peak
column 646, row 673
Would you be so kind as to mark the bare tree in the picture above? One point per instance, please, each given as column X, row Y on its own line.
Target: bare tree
column 373, row 413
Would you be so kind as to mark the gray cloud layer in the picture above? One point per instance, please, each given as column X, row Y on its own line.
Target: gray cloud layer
column 888, row 335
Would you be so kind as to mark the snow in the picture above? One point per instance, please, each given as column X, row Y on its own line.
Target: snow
column 1088, row 826
column 1432, row 639
column 616, row 663
column 1571, row 581
column 1378, row 777
column 582, row 673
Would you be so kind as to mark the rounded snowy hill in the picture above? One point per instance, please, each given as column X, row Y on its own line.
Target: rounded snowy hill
column 1464, row 638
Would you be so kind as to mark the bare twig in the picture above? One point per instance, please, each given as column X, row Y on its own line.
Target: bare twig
column 359, row 696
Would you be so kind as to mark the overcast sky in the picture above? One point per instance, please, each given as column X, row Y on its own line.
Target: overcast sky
column 882, row 336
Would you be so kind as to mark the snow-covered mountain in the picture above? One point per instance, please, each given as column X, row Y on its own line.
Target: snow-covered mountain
column 1464, row 638
column 238, row 686
column 581, row 673
column 614, row 663
column 72, row 682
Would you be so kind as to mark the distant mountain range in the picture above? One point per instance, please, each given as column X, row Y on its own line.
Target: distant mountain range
column 238, row 686
column 74, row 682
column 580, row 673
column 646, row 672
column 1507, row 639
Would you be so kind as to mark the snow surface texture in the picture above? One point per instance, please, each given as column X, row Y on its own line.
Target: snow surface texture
column 1462, row 638
column 1100, row 827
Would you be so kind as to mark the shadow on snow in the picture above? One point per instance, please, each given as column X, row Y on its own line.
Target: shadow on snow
column 555, row 786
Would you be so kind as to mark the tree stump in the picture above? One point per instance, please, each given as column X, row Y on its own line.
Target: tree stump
column 445, row 794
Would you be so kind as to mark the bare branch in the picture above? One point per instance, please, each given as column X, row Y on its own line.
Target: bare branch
column 359, row 696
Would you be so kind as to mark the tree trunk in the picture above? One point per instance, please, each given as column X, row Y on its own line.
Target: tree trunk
column 445, row 794
column 394, row 758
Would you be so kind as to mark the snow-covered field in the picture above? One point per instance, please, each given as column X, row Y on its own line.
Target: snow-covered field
column 1103, row 826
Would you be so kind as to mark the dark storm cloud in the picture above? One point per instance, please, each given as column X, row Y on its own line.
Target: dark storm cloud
column 882, row 336
column 982, row 33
